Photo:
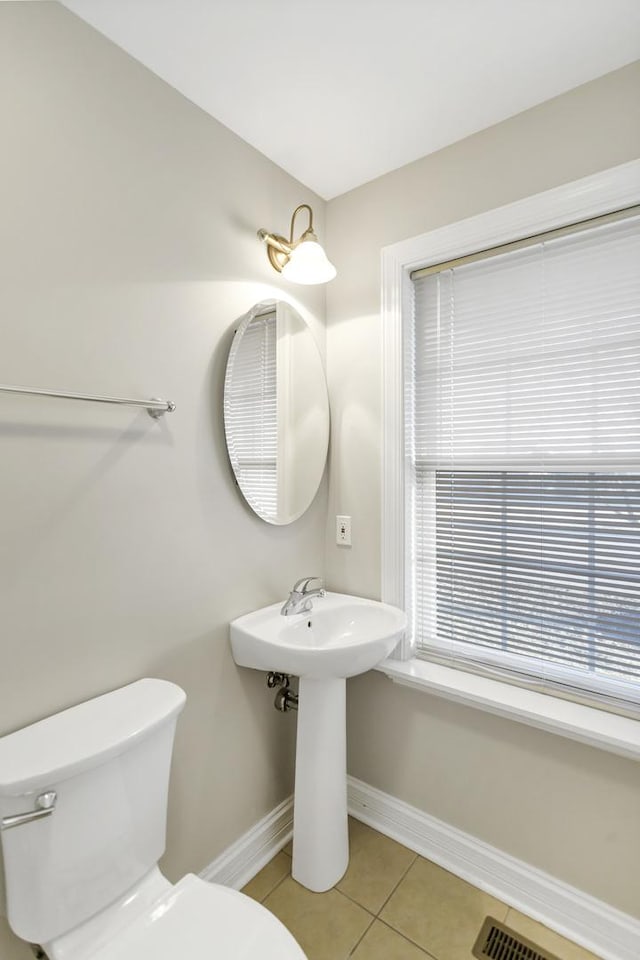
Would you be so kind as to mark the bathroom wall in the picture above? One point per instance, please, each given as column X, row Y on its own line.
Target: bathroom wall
column 566, row 808
column 127, row 251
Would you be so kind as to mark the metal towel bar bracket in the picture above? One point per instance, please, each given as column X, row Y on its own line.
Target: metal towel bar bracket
column 155, row 408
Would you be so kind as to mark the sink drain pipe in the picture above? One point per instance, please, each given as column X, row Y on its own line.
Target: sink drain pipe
column 285, row 699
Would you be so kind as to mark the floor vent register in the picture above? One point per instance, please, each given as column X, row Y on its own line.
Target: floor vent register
column 497, row 942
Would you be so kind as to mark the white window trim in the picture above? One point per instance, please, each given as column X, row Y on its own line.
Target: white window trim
column 589, row 197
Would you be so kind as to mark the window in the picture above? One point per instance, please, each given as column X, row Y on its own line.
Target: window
column 522, row 433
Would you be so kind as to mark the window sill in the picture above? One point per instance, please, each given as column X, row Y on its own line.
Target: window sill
column 597, row 728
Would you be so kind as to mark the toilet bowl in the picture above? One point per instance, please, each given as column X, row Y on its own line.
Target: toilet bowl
column 83, row 804
column 192, row 918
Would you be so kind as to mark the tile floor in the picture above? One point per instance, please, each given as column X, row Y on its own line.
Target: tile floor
column 390, row 905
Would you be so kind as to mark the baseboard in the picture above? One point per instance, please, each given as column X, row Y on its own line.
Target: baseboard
column 595, row 925
column 240, row 862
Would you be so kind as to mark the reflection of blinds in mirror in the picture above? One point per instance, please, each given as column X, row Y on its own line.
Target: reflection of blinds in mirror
column 251, row 415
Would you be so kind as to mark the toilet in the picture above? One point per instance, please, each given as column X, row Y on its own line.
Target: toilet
column 83, row 806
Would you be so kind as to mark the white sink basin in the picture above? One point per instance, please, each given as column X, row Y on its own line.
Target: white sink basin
column 340, row 637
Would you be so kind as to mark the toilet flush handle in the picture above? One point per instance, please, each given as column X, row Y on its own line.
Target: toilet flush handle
column 45, row 805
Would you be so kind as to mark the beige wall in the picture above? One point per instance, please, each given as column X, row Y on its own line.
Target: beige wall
column 568, row 809
column 127, row 250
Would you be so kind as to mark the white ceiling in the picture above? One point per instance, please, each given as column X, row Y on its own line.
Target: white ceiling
column 338, row 92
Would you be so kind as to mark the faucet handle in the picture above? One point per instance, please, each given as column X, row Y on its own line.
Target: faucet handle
column 302, row 585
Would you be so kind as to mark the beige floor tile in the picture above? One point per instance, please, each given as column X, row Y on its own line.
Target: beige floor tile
column 326, row 925
column 288, row 849
column 382, row 943
column 269, row 877
column 376, row 866
column 546, row 938
column 440, row 912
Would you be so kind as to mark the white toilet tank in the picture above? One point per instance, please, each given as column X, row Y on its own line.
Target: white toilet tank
column 107, row 760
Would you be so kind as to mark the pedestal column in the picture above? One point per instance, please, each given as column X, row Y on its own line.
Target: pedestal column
column 320, row 831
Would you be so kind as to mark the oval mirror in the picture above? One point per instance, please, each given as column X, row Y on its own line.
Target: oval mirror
column 276, row 412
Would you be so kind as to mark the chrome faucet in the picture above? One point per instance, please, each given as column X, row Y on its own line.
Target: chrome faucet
column 300, row 598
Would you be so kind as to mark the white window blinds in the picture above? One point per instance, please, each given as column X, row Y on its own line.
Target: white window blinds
column 523, row 443
column 251, row 415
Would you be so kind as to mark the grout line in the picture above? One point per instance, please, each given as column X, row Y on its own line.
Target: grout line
column 287, row 876
column 365, row 932
column 352, row 900
column 397, row 885
column 400, row 933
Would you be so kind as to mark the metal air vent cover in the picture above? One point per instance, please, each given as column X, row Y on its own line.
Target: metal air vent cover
column 497, row 942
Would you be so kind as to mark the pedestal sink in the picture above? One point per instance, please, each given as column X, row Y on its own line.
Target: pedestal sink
column 339, row 638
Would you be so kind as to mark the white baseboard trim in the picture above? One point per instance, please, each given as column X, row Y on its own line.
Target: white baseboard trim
column 595, row 925
column 240, row 862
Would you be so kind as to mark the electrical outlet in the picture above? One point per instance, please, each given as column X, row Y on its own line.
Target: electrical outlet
column 343, row 531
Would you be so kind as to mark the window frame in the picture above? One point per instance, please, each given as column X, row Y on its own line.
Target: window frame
column 591, row 196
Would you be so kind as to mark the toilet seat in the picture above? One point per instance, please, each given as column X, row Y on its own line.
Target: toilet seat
column 196, row 919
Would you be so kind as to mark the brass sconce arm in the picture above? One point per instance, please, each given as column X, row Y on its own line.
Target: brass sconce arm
column 308, row 231
column 280, row 250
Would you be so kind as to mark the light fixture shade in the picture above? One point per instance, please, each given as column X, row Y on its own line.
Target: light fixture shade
column 308, row 263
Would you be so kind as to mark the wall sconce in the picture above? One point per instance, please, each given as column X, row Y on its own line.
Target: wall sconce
column 302, row 260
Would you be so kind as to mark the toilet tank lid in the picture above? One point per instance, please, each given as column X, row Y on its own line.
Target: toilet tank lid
column 85, row 735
